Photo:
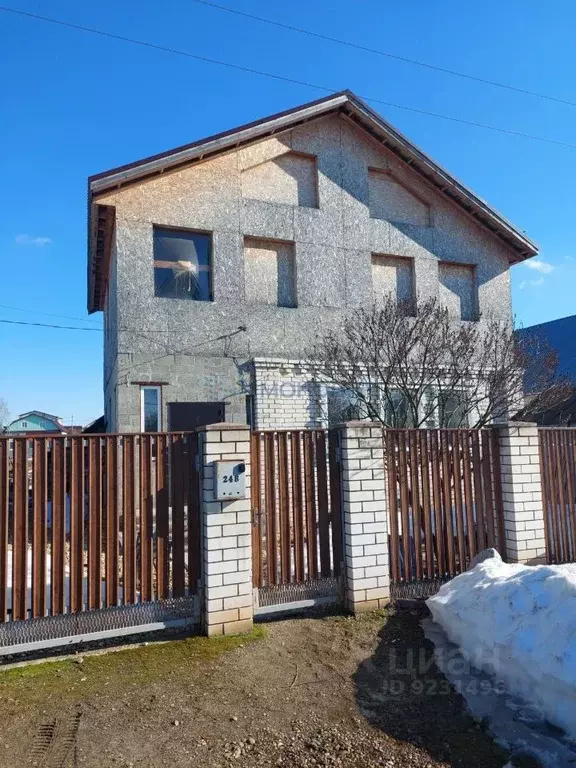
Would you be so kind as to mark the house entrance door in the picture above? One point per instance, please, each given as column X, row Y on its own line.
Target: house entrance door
column 186, row 417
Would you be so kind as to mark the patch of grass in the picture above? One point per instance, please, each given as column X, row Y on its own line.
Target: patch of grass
column 131, row 666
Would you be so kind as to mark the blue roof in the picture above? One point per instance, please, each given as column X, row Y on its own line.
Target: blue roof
column 559, row 335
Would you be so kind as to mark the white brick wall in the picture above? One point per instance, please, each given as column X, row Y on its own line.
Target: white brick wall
column 522, row 493
column 285, row 396
column 365, row 517
column 226, row 536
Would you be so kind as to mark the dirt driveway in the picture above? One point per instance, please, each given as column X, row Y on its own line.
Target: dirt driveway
column 325, row 691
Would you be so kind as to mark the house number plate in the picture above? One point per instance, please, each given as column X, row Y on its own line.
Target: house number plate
column 230, row 480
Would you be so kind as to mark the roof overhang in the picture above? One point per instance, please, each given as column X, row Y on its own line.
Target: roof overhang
column 346, row 103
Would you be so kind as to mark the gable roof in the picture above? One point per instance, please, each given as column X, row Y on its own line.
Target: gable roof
column 101, row 222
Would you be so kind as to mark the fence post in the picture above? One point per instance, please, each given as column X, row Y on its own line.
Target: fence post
column 365, row 516
column 522, row 504
column 226, row 534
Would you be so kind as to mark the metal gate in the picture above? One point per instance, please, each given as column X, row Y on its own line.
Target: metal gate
column 296, row 516
column 99, row 536
column 445, row 504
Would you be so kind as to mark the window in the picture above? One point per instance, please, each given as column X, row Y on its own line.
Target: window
column 458, row 290
column 150, row 409
column 396, row 410
column 182, row 264
column 452, row 410
column 24, row 425
column 343, row 405
column 391, row 200
column 269, row 272
column 394, row 275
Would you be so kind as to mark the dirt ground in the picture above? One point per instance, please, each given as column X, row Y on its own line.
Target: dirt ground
column 323, row 691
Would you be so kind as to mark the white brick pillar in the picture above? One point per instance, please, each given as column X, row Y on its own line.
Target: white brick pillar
column 522, row 493
column 365, row 516
column 226, row 532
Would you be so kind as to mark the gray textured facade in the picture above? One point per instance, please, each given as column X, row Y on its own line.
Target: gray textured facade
column 315, row 188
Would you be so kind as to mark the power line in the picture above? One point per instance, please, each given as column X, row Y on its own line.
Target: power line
column 387, row 54
column 48, row 314
column 282, row 78
column 47, row 325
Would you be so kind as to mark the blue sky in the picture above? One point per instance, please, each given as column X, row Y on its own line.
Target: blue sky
column 74, row 104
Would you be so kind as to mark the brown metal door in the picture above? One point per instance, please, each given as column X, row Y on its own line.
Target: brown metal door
column 186, row 417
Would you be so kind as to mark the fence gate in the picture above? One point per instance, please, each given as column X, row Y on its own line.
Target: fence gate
column 297, row 530
column 99, row 536
column 558, row 472
column 444, row 499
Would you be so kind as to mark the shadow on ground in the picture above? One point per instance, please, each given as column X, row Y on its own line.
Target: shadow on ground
column 400, row 690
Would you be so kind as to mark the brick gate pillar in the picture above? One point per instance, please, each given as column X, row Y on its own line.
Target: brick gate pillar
column 226, row 535
column 522, row 493
column 365, row 520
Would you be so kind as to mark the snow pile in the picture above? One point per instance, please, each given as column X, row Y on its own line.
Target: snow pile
column 517, row 623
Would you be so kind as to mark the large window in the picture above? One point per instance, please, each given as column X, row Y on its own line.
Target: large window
column 150, row 409
column 182, row 264
column 343, row 405
column 452, row 410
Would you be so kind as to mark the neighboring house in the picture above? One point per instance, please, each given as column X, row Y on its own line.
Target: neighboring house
column 39, row 423
column 558, row 336
column 217, row 264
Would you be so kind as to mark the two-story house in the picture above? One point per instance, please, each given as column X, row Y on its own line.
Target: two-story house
column 217, row 264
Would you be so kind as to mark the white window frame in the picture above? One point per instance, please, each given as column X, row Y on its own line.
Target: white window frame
column 158, row 391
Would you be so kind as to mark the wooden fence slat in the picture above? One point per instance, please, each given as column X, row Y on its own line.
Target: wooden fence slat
column 542, row 440
column 474, row 527
column 4, row 495
column 193, row 491
column 146, row 519
column 323, row 515
column 39, row 527
column 76, row 483
column 178, row 569
column 270, row 499
column 498, row 509
column 426, row 508
column 94, row 522
column 414, row 462
column 437, row 496
column 20, row 530
column 570, row 501
column 112, row 522
column 57, row 576
column 255, row 492
column 484, row 520
column 560, row 472
column 445, row 445
column 391, row 448
column 162, row 519
column 404, row 511
column 335, row 500
column 555, row 531
column 459, row 511
column 297, row 504
column 283, row 510
column 129, row 526
column 311, row 519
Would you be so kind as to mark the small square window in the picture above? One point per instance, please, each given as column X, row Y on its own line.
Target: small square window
column 459, row 289
column 182, row 264
column 394, row 276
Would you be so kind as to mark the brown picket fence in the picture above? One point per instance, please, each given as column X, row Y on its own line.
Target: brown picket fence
column 297, row 531
column 444, row 499
column 98, row 521
column 558, row 472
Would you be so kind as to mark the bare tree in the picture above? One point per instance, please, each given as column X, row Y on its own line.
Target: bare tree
column 428, row 369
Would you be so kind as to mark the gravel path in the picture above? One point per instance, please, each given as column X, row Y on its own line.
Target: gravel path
column 325, row 691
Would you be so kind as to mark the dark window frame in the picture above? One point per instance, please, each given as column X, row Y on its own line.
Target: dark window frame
column 164, row 264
